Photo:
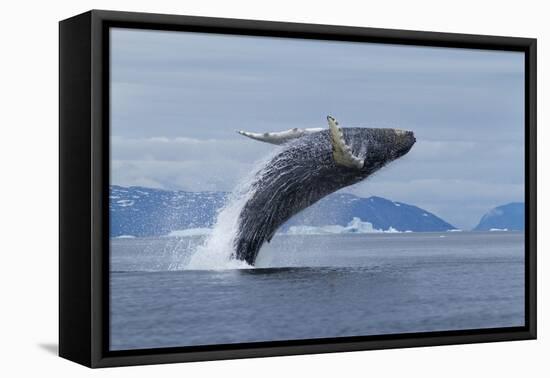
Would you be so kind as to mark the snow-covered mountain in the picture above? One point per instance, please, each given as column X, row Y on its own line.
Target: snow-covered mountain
column 510, row 217
column 139, row 211
column 383, row 214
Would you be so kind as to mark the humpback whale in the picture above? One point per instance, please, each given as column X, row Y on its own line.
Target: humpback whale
column 311, row 164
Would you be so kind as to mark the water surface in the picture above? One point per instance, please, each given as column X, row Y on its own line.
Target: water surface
column 316, row 286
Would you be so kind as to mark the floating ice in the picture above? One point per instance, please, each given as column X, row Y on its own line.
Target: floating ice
column 356, row 226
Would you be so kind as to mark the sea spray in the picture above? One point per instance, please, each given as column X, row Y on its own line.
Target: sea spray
column 218, row 250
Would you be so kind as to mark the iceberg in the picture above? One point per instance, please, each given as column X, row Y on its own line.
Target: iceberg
column 355, row 226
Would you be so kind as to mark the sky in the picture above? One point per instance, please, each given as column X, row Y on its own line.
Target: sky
column 178, row 97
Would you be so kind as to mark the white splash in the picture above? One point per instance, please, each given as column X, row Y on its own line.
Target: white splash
column 216, row 253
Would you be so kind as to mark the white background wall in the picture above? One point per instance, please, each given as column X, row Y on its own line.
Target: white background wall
column 28, row 207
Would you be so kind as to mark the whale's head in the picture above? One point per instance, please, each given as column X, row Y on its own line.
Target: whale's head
column 382, row 146
column 367, row 149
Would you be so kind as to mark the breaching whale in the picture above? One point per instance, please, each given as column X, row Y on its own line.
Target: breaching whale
column 311, row 164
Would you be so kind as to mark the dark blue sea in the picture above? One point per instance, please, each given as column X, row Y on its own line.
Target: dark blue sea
column 316, row 286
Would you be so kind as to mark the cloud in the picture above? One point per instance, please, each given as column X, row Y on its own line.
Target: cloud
column 188, row 175
column 188, row 149
column 183, row 163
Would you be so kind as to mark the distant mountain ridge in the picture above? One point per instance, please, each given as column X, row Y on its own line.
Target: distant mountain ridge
column 384, row 214
column 139, row 211
column 510, row 217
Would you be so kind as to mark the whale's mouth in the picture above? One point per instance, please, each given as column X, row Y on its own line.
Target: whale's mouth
column 405, row 140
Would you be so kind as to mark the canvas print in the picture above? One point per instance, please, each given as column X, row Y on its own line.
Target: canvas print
column 271, row 189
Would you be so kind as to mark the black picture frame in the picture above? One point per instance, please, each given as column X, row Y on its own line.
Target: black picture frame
column 84, row 187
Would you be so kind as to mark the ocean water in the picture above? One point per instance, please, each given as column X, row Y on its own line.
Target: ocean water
column 315, row 286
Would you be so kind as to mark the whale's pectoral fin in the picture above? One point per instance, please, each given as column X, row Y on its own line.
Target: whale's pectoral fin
column 279, row 137
column 340, row 150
